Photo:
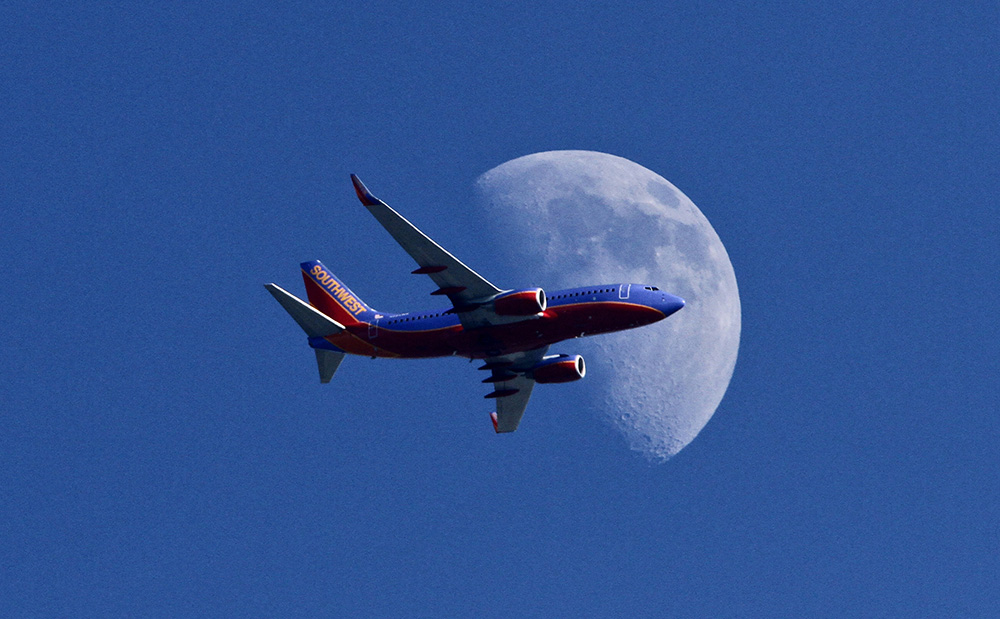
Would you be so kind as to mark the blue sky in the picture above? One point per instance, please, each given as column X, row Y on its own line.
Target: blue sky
column 165, row 448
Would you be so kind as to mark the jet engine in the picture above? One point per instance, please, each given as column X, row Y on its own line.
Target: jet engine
column 521, row 302
column 559, row 369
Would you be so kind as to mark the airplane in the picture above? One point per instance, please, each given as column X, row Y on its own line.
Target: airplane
column 510, row 330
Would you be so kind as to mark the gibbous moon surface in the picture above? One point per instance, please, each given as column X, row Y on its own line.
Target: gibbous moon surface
column 576, row 218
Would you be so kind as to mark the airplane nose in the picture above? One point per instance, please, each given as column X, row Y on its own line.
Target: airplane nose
column 670, row 304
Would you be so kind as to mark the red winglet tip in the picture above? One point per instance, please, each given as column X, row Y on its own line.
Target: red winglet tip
column 493, row 418
column 364, row 195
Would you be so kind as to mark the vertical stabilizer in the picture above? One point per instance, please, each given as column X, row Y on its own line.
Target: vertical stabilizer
column 330, row 296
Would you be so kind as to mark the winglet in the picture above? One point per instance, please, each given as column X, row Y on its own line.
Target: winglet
column 364, row 195
column 496, row 426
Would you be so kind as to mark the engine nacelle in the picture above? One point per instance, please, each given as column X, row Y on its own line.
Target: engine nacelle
column 559, row 369
column 521, row 302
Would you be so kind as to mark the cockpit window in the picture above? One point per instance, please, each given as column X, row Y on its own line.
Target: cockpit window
column 650, row 287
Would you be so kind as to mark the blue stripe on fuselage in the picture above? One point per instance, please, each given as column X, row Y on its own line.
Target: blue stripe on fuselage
column 321, row 342
column 418, row 321
column 570, row 296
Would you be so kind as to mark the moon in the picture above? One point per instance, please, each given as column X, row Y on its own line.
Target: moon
column 575, row 218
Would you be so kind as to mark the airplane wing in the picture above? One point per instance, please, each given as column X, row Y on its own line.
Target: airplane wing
column 512, row 389
column 510, row 408
column 463, row 286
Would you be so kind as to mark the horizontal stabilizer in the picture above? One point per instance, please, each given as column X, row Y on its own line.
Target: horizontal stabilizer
column 314, row 322
column 328, row 362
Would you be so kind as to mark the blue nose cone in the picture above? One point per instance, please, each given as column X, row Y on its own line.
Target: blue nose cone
column 669, row 304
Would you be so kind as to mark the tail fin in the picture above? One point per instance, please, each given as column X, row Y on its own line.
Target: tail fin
column 330, row 296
